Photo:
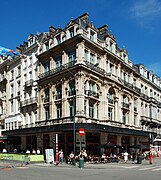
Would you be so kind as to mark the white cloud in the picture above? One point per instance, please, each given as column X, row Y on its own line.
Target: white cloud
column 146, row 11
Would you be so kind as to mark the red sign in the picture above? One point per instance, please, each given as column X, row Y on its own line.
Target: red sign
column 81, row 131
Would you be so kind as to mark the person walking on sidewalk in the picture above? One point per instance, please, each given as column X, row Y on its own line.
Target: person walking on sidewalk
column 61, row 156
column 126, row 156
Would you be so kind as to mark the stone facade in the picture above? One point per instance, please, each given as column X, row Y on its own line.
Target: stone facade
column 85, row 79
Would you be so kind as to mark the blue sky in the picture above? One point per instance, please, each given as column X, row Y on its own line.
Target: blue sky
column 136, row 24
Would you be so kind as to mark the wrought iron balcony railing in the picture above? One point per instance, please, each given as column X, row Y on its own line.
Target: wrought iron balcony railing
column 57, row 70
column 28, row 102
column 92, row 93
column 125, row 105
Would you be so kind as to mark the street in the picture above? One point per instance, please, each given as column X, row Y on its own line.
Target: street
column 108, row 171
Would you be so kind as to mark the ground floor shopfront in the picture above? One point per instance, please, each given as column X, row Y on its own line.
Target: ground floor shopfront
column 97, row 139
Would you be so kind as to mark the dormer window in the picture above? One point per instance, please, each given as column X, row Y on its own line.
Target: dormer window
column 92, row 35
column 58, row 39
column 47, row 45
column 71, row 31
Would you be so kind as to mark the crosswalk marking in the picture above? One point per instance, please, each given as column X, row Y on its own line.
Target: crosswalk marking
column 158, row 169
column 153, row 168
column 130, row 167
column 147, row 168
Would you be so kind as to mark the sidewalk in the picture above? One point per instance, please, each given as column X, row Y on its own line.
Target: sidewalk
column 155, row 161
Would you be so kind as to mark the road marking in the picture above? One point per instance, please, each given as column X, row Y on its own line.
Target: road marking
column 130, row 167
column 148, row 168
column 158, row 169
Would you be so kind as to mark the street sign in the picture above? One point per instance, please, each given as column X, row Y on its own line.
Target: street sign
column 81, row 131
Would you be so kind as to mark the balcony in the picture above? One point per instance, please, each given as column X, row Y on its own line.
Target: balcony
column 28, row 102
column 2, row 78
column 110, row 101
column 94, row 67
column 125, row 105
column 72, row 93
column 29, row 83
column 57, row 70
column 131, row 86
column 46, row 99
column 151, row 99
column 58, row 96
column 145, row 120
column 92, row 93
column 145, row 97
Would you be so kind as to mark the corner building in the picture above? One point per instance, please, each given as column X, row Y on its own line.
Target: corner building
column 86, row 81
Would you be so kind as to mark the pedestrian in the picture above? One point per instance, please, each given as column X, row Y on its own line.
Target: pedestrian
column 61, row 156
column 27, row 157
column 33, row 151
column 71, row 157
column 125, row 157
column 38, row 151
column 134, row 156
column 4, row 150
column 15, row 150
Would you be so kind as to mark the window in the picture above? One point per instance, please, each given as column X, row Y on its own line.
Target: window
column 91, row 58
column 135, row 120
column 135, row 104
column 46, row 95
column 91, row 109
column 98, row 60
column 59, row 110
column 30, row 74
column 86, row 55
column 47, row 45
column 12, row 90
column 47, row 67
column 85, row 106
column 124, row 117
column 111, row 45
column 110, row 96
column 11, row 106
column 25, row 77
column 110, row 116
column 71, row 88
column 30, row 60
column 58, row 39
column 58, row 61
column 12, row 75
column 18, row 86
column 19, row 70
column 25, row 63
column 111, row 68
column 46, row 113
column 1, row 109
column 72, row 108
column 151, row 93
column 72, row 56
column 58, row 92
column 91, row 88
column 92, row 35
column 36, row 116
column 71, row 31
column 134, row 82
